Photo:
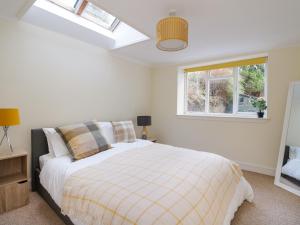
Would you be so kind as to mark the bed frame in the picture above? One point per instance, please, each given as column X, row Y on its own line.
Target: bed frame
column 39, row 147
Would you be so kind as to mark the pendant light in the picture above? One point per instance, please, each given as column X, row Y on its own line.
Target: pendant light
column 172, row 33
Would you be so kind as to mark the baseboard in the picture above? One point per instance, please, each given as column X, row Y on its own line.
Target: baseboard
column 257, row 168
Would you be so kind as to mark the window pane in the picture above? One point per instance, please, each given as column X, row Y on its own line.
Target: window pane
column 251, row 85
column 221, row 96
column 221, row 72
column 98, row 16
column 67, row 4
column 196, row 92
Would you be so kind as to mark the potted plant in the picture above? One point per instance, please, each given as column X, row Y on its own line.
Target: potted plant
column 261, row 104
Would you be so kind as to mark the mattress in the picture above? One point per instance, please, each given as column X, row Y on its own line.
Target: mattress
column 56, row 170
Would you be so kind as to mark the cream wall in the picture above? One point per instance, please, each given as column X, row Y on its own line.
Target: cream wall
column 253, row 142
column 57, row 80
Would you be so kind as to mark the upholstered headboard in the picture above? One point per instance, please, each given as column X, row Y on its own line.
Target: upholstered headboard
column 39, row 146
column 286, row 155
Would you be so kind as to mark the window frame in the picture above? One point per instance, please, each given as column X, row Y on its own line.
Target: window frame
column 79, row 8
column 73, row 10
column 182, row 97
column 82, row 7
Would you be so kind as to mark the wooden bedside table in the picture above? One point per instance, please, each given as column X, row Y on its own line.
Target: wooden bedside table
column 14, row 191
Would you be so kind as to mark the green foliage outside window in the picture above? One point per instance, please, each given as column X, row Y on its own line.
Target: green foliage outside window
column 252, row 80
column 250, row 87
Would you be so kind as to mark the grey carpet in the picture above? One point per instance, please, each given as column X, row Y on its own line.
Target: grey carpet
column 271, row 206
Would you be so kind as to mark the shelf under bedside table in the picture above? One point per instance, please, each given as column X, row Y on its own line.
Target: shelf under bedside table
column 14, row 189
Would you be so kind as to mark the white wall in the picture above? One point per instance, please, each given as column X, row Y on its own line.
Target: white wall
column 56, row 80
column 255, row 143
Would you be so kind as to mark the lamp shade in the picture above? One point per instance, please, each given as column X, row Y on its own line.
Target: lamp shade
column 144, row 120
column 172, row 34
column 9, row 117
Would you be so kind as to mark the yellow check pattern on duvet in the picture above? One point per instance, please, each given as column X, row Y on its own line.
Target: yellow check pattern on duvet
column 154, row 185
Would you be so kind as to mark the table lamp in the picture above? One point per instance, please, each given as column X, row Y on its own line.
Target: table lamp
column 144, row 121
column 8, row 117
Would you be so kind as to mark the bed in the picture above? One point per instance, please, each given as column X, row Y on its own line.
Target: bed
column 290, row 167
column 60, row 178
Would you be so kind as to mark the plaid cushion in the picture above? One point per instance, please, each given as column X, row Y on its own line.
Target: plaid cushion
column 83, row 139
column 124, row 131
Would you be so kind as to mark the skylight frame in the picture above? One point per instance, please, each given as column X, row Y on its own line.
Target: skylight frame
column 79, row 8
column 73, row 9
column 114, row 24
column 94, row 16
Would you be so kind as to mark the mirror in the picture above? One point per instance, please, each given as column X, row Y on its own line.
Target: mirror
column 288, row 166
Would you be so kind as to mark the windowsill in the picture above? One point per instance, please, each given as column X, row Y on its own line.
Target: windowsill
column 222, row 117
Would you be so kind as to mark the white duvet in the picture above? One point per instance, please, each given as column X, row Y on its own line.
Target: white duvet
column 56, row 170
column 292, row 168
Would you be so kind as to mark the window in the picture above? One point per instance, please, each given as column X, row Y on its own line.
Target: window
column 223, row 89
column 99, row 16
column 67, row 4
column 89, row 11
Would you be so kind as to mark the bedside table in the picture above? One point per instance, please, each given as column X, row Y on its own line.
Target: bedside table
column 14, row 190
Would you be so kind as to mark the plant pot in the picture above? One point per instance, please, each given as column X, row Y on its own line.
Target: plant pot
column 260, row 114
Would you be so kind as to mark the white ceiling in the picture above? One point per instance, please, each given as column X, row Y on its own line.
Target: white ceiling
column 52, row 17
column 217, row 28
column 14, row 9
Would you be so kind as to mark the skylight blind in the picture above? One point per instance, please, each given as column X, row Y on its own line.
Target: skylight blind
column 245, row 62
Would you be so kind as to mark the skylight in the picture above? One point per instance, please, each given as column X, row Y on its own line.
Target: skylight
column 100, row 17
column 82, row 20
column 67, row 4
column 89, row 11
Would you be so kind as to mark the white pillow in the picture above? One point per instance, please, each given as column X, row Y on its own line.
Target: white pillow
column 56, row 144
column 47, row 133
column 292, row 168
column 294, row 152
column 107, row 131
